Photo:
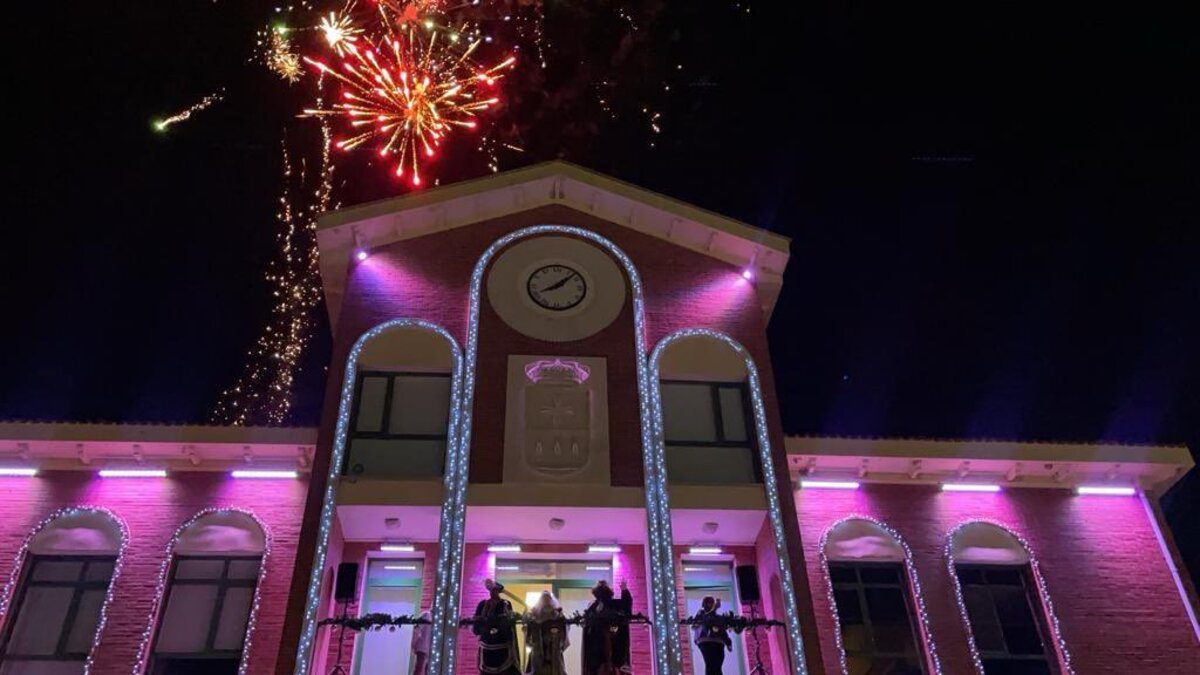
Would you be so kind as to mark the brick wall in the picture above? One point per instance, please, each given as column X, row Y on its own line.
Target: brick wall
column 428, row 277
column 152, row 510
column 1112, row 591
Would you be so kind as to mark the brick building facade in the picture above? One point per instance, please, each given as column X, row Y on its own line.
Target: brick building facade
column 549, row 378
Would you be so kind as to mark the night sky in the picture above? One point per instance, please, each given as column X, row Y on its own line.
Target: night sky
column 993, row 209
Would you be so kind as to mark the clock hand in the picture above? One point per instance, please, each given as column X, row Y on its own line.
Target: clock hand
column 560, row 282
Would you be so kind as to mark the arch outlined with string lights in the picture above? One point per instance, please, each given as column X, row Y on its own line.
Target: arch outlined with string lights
column 775, row 515
column 665, row 636
column 441, row 616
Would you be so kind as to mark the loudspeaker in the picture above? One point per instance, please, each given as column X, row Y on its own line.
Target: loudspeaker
column 747, row 580
column 346, row 588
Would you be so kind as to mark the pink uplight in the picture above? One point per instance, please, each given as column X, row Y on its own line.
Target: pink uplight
column 830, row 484
column 747, row 275
column 360, row 255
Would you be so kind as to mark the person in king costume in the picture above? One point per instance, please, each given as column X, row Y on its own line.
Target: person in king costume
column 497, row 637
column 606, row 631
column 546, row 637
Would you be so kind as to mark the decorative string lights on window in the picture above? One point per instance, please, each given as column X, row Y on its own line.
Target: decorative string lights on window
column 453, row 513
column 657, row 447
column 913, row 582
column 668, row 655
column 1061, row 654
column 19, row 561
column 160, row 590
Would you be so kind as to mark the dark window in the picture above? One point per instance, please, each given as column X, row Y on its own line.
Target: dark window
column 204, row 615
column 708, row 431
column 877, row 619
column 57, row 612
column 1005, row 620
column 398, row 425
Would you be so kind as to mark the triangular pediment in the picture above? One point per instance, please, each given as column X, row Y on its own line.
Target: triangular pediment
column 342, row 232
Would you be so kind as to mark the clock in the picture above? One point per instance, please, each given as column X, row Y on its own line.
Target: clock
column 556, row 287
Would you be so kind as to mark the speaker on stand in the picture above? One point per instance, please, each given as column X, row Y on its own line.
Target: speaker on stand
column 748, row 591
column 345, row 589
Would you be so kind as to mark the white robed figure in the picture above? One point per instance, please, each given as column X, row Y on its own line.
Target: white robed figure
column 546, row 637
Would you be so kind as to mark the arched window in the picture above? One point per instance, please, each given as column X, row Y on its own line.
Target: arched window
column 401, row 409
column 58, row 608
column 876, row 599
column 206, row 610
column 1000, row 596
column 708, row 429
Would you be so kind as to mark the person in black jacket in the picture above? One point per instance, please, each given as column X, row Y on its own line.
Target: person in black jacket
column 497, row 638
column 712, row 640
column 606, row 631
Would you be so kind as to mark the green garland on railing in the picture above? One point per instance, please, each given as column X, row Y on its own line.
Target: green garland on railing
column 379, row 620
column 729, row 621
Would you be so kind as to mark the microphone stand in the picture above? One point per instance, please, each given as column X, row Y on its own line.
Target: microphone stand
column 337, row 666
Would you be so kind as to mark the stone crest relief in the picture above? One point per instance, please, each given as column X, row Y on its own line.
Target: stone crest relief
column 557, row 420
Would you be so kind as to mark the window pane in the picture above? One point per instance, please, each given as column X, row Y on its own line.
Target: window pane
column 235, row 611
column 1016, row 620
column 199, row 569
column 733, row 413
column 842, row 574
column 398, row 572
column 1004, row 577
column 420, row 405
column 970, row 576
column 100, row 570
column 87, row 617
column 186, row 620
column 848, row 609
column 1015, row 667
column 988, row 637
column 370, row 404
column 243, row 569
column 40, row 620
column 42, row 667
column 57, row 570
column 889, row 574
column 688, row 412
column 396, row 457
column 710, row 466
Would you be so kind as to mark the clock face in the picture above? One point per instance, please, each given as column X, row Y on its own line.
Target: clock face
column 556, row 287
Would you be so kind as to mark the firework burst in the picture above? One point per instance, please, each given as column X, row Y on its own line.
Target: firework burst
column 407, row 96
column 340, row 29
column 281, row 56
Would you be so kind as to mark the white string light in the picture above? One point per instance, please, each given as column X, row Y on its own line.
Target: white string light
column 10, row 585
column 441, row 618
column 139, row 666
column 657, row 446
column 913, row 582
column 1063, row 656
column 665, row 636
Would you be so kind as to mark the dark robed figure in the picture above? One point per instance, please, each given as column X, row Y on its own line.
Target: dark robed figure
column 606, row 631
column 497, row 637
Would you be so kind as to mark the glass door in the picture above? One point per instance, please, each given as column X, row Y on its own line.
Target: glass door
column 716, row 580
column 570, row 581
column 393, row 587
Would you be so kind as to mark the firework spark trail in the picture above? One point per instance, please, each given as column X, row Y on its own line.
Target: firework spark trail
column 409, row 95
column 186, row 114
column 264, row 393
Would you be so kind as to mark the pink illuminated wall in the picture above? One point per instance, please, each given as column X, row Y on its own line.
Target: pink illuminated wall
column 154, row 509
column 1114, row 595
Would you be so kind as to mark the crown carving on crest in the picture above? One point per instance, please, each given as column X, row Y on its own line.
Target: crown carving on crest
column 557, row 370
